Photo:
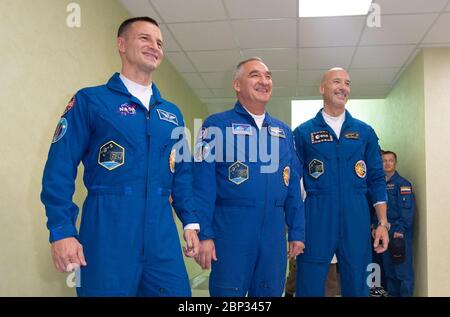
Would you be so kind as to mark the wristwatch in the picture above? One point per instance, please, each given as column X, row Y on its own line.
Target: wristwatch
column 387, row 225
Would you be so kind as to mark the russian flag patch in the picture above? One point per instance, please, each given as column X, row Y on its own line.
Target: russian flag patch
column 405, row 190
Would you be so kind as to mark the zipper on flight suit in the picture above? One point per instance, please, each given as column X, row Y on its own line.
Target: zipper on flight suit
column 147, row 117
column 340, row 190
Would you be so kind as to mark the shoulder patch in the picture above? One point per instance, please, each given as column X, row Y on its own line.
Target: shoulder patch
column 286, row 175
column 69, row 105
column 60, row 130
column 361, row 169
column 405, row 190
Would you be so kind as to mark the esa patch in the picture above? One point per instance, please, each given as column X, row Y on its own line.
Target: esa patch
column 238, row 173
column 321, row 136
column 111, row 155
column 167, row 116
column 316, row 168
column 60, row 130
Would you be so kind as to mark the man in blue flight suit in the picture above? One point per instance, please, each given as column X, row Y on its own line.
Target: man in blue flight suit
column 400, row 213
column 341, row 161
column 128, row 243
column 243, row 203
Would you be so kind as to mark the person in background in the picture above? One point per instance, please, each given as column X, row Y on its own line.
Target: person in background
column 398, row 265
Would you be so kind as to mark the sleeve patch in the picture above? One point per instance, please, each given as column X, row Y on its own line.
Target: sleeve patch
column 69, row 106
column 405, row 190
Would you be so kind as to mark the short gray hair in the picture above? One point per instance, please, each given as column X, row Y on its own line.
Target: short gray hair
column 239, row 66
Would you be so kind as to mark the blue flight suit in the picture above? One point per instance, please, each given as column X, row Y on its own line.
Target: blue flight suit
column 128, row 233
column 244, row 210
column 401, row 210
column 337, row 175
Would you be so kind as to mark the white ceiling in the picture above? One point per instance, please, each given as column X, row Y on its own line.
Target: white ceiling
column 205, row 39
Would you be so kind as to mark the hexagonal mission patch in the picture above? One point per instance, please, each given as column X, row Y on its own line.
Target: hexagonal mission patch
column 316, row 168
column 111, row 155
column 238, row 173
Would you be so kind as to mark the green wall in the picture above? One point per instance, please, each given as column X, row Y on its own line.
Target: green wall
column 44, row 63
column 437, row 129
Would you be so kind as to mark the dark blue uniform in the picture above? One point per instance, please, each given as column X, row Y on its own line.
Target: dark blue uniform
column 128, row 233
column 337, row 174
column 244, row 210
column 401, row 209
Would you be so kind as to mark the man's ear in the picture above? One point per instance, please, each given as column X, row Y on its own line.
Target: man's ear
column 321, row 89
column 236, row 85
column 121, row 44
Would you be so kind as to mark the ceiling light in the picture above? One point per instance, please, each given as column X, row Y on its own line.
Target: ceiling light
column 327, row 8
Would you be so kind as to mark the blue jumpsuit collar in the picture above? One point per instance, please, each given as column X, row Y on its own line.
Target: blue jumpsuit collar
column 241, row 110
column 394, row 177
column 115, row 83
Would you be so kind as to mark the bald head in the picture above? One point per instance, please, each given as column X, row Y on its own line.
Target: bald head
column 329, row 73
column 335, row 90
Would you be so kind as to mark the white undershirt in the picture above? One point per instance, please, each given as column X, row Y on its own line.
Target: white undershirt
column 143, row 93
column 259, row 119
column 335, row 123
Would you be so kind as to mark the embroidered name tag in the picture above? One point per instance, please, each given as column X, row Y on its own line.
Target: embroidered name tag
column 321, row 136
column 167, row 116
column 352, row 135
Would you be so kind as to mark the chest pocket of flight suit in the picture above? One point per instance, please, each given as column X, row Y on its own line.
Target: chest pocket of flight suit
column 405, row 201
